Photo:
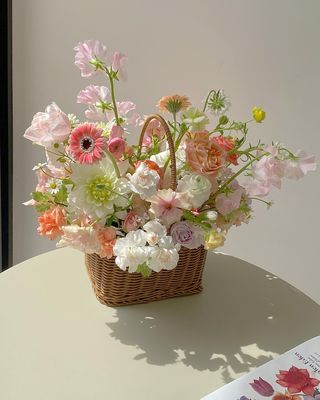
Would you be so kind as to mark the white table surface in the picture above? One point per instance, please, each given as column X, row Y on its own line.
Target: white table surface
column 57, row 342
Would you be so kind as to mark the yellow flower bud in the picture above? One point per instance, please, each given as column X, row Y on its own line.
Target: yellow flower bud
column 213, row 239
column 258, row 114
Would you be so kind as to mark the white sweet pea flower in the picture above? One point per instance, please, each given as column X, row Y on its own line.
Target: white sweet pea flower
column 131, row 251
column 196, row 187
column 155, row 231
column 144, row 181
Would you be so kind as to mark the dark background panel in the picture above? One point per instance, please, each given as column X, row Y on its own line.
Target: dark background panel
column 6, row 151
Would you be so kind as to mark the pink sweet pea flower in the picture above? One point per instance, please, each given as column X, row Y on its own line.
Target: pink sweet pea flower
column 116, row 132
column 124, row 107
column 93, row 94
column 87, row 53
column 267, row 172
column 49, row 127
column 296, row 169
column 227, row 202
column 118, row 62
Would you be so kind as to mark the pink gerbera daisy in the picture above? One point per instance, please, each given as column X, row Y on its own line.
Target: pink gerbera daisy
column 86, row 144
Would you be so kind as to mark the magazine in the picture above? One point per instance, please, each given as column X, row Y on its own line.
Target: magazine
column 294, row 375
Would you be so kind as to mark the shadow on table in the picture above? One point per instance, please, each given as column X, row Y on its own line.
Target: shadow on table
column 242, row 307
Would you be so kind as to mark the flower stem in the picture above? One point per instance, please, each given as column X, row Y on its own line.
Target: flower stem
column 228, row 181
column 207, row 99
column 113, row 160
column 268, row 203
column 115, row 109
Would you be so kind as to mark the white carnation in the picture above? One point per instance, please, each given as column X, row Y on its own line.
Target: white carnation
column 131, row 251
column 144, row 181
column 165, row 255
column 155, row 231
column 197, row 188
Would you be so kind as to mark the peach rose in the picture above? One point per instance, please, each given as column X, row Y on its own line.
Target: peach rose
column 107, row 238
column 51, row 222
column 204, row 155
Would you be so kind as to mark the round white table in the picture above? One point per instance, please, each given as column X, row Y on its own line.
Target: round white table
column 57, row 342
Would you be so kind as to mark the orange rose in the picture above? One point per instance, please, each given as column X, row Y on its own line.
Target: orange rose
column 51, row 222
column 204, row 155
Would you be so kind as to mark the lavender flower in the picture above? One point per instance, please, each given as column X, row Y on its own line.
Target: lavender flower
column 187, row 234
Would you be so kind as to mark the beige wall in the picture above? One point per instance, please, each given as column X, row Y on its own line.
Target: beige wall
column 261, row 52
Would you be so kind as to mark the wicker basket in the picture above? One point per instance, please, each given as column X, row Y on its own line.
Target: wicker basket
column 115, row 287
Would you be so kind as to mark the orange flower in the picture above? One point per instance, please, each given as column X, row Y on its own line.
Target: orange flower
column 174, row 103
column 107, row 238
column 51, row 222
column 281, row 396
column 204, row 155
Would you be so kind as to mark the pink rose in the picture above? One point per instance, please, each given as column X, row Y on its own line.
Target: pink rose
column 49, row 127
column 117, row 147
column 132, row 221
column 227, row 143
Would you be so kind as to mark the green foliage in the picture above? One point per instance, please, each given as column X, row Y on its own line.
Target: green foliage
column 144, row 270
column 62, row 195
column 43, row 201
column 200, row 219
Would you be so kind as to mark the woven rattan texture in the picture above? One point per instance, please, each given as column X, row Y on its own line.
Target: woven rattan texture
column 115, row 287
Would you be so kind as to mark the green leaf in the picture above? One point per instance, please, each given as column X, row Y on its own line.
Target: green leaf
column 39, row 196
column 41, row 207
column 144, row 270
column 62, row 195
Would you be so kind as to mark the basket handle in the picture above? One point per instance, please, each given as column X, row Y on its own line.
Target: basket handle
column 173, row 164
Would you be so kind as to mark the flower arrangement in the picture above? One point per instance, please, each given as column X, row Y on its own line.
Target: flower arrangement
column 100, row 194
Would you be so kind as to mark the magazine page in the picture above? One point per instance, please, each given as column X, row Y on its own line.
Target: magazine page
column 294, row 375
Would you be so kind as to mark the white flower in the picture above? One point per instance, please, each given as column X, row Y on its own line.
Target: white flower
column 196, row 187
column 97, row 190
column 155, row 231
column 195, row 119
column 218, row 102
column 162, row 157
column 131, row 251
column 165, row 255
column 53, row 185
column 144, row 181
column 80, row 238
